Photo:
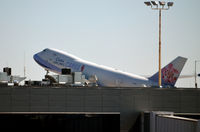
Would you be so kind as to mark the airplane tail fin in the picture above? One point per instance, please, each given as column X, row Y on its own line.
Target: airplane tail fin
column 171, row 72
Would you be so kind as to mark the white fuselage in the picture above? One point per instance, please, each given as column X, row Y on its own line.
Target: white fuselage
column 54, row 60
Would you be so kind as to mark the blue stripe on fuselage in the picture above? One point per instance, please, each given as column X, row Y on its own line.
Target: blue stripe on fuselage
column 45, row 64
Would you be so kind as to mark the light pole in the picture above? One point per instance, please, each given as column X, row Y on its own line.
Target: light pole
column 159, row 5
column 195, row 76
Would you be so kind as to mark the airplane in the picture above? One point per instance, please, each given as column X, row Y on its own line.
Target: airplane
column 55, row 60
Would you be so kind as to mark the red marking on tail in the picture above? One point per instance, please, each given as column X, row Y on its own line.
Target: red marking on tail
column 169, row 73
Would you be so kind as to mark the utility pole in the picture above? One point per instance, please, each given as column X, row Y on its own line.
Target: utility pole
column 195, row 73
column 159, row 5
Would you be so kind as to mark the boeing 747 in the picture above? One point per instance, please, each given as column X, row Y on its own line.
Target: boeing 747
column 54, row 60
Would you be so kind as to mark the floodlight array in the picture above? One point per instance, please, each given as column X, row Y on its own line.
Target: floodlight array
column 159, row 4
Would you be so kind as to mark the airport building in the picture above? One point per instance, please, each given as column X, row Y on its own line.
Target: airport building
column 79, row 109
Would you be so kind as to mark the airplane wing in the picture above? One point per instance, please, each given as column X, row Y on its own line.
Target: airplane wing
column 186, row 76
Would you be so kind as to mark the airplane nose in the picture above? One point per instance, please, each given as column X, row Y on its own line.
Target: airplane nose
column 35, row 57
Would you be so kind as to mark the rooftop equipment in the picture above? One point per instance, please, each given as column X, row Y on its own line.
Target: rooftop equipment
column 65, row 71
column 7, row 70
column 6, row 77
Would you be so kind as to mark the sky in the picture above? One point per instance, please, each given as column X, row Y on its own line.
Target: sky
column 122, row 34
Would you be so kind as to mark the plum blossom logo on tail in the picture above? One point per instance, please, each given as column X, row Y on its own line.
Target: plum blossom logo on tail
column 169, row 74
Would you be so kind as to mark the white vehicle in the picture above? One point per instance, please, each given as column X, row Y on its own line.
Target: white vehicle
column 54, row 60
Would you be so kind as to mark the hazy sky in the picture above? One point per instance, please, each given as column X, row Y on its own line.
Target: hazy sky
column 118, row 33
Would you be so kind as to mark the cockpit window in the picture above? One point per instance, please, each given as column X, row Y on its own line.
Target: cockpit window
column 44, row 50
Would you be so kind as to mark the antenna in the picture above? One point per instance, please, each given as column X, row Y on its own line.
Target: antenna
column 24, row 64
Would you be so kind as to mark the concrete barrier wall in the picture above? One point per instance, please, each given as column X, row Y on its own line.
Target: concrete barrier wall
column 130, row 102
column 176, row 124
